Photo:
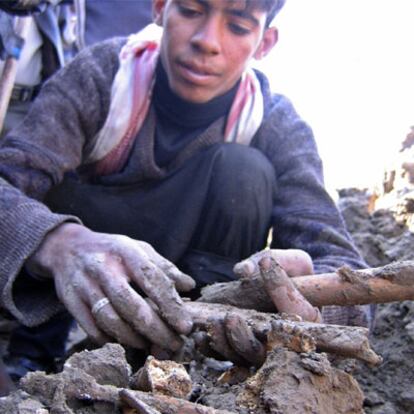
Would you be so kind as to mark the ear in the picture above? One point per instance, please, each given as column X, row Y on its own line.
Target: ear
column 269, row 39
column 158, row 11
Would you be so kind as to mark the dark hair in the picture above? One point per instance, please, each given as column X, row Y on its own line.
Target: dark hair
column 271, row 7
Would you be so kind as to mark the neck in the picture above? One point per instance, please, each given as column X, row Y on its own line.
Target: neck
column 185, row 113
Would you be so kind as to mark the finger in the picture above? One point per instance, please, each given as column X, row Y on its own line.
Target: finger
column 136, row 311
column 161, row 290
column 106, row 317
column 219, row 343
column 246, row 268
column 240, row 336
column 152, row 305
column 81, row 312
column 110, row 322
column 250, row 266
column 296, row 262
column 183, row 282
column 284, row 293
column 157, row 351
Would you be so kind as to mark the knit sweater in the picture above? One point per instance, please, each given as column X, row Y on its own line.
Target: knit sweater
column 57, row 134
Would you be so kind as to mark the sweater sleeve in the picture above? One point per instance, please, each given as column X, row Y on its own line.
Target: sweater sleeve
column 70, row 109
column 304, row 215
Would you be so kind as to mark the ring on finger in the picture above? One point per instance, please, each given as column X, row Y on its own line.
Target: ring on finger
column 101, row 303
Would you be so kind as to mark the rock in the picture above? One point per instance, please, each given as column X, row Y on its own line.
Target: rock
column 107, row 365
column 290, row 383
column 406, row 400
column 373, row 399
column 19, row 402
column 72, row 388
column 31, row 406
column 387, row 408
column 410, row 330
column 164, row 377
column 316, row 363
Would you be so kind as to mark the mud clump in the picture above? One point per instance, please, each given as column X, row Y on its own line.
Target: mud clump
column 292, row 383
column 95, row 381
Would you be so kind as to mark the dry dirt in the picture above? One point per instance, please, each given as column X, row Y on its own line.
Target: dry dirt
column 383, row 236
column 382, row 224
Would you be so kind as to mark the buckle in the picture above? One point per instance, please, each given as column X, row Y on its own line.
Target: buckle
column 24, row 93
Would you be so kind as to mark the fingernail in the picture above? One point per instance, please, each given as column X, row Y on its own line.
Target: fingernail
column 186, row 326
column 244, row 268
column 265, row 263
column 190, row 282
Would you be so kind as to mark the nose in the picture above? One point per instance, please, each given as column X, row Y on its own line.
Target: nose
column 206, row 39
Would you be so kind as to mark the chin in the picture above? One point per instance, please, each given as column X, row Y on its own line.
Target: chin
column 190, row 95
column 197, row 100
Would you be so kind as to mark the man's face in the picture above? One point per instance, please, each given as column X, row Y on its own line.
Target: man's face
column 207, row 44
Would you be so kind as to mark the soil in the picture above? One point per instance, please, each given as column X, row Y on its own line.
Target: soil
column 382, row 224
column 384, row 236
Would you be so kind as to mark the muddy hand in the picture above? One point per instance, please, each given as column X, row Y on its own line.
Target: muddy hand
column 283, row 292
column 236, row 340
column 231, row 339
column 295, row 262
column 94, row 274
column 276, row 267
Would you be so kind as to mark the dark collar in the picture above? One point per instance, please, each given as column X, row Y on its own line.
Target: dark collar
column 176, row 110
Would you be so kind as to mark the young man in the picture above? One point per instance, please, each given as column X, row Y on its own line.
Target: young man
column 172, row 149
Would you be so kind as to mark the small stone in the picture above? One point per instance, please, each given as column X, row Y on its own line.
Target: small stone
column 108, row 365
column 407, row 399
column 31, row 406
column 316, row 363
column 373, row 399
column 387, row 408
column 216, row 365
column 163, row 377
column 410, row 330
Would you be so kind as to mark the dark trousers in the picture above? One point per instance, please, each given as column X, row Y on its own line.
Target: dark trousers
column 204, row 216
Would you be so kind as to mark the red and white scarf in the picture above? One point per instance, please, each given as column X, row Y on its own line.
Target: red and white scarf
column 131, row 96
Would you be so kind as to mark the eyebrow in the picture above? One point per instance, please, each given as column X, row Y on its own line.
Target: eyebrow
column 243, row 13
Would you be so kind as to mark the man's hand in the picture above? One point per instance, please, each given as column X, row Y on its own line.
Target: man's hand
column 276, row 266
column 102, row 280
column 235, row 340
column 295, row 262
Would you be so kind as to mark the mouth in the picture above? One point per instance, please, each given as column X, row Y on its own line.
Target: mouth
column 196, row 74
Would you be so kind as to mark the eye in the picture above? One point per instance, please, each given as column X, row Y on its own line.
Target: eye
column 239, row 29
column 188, row 11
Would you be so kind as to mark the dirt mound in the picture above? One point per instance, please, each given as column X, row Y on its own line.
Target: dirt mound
column 100, row 381
column 382, row 225
column 293, row 379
